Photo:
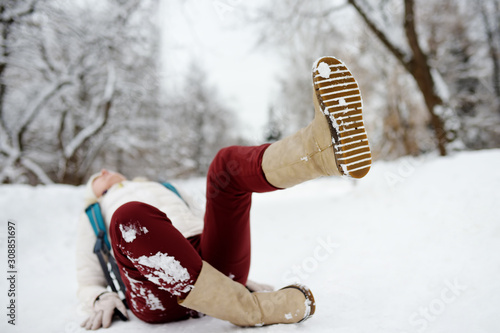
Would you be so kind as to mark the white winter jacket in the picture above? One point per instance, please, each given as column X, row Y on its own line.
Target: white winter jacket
column 187, row 218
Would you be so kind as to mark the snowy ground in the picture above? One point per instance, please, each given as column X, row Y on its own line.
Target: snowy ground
column 414, row 247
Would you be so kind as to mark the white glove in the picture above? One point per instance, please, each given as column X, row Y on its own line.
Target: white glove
column 103, row 312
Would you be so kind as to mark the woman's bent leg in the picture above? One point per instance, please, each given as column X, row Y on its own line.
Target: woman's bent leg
column 234, row 175
column 156, row 262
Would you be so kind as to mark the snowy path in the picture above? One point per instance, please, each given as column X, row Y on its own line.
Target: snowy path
column 414, row 247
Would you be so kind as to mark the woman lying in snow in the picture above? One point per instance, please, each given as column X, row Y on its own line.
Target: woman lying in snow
column 175, row 263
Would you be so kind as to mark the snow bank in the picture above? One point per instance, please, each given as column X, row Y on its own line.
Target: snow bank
column 413, row 247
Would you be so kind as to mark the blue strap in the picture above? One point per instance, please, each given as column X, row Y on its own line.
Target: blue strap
column 95, row 217
column 94, row 214
column 171, row 188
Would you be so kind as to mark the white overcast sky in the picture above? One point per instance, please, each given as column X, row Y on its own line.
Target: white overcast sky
column 212, row 33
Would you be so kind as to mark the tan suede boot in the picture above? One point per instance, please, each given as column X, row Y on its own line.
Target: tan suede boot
column 218, row 296
column 334, row 143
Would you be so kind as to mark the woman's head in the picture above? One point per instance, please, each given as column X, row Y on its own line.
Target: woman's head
column 100, row 182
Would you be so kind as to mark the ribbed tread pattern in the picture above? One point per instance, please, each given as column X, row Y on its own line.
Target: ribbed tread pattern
column 340, row 100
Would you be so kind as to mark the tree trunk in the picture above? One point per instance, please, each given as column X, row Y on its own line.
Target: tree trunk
column 417, row 66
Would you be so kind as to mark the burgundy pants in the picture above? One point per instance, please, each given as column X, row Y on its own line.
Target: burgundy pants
column 158, row 264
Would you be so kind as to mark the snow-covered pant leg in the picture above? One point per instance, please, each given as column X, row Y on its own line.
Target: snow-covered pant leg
column 156, row 262
column 235, row 173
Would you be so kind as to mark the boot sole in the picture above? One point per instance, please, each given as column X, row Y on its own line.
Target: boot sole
column 339, row 98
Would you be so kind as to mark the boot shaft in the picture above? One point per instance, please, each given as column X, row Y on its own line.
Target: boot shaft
column 218, row 296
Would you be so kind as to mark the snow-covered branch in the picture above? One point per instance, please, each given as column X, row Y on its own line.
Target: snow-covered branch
column 100, row 122
column 8, row 165
column 396, row 51
column 47, row 58
column 69, row 66
column 11, row 16
column 36, row 169
column 35, row 107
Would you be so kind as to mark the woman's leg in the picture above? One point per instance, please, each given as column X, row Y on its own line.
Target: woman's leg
column 156, row 262
column 235, row 173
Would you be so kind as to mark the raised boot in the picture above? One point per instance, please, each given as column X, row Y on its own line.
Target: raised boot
column 220, row 297
column 334, row 143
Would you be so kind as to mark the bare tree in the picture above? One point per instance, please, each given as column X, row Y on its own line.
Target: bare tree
column 197, row 125
column 416, row 62
column 304, row 31
column 77, row 79
column 13, row 14
column 459, row 48
column 449, row 49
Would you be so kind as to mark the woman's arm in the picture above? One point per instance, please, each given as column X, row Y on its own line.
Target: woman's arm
column 89, row 274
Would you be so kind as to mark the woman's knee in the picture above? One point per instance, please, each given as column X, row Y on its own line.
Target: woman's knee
column 224, row 167
column 133, row 219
